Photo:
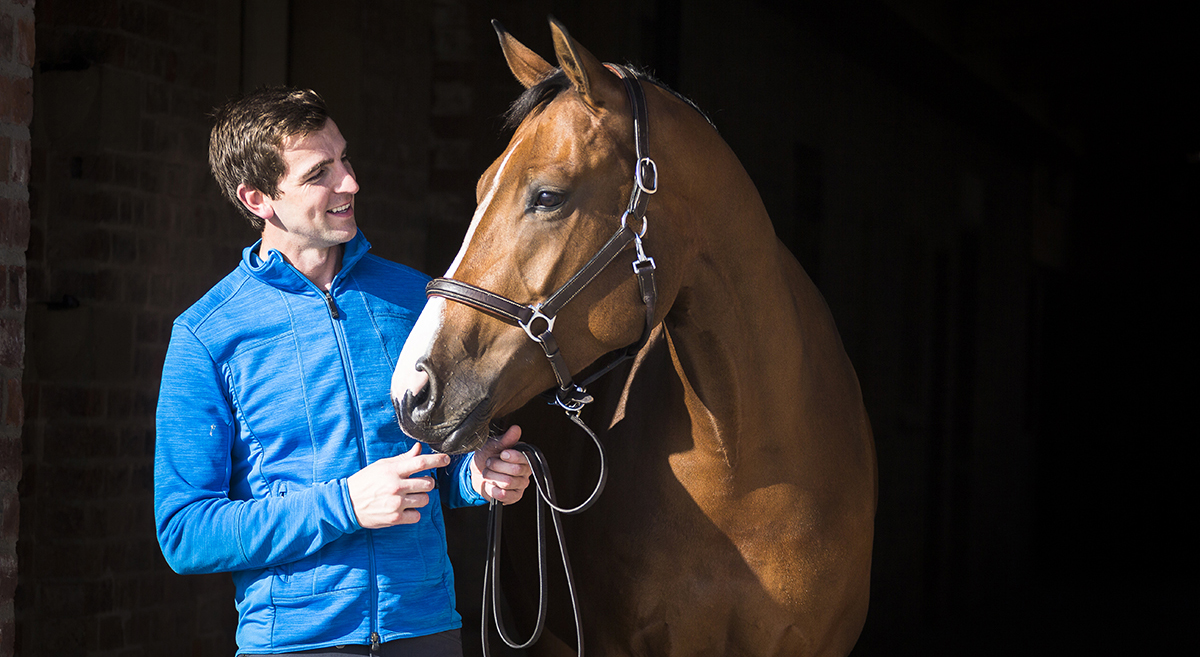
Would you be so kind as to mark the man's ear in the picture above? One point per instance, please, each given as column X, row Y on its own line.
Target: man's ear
column 258, row 203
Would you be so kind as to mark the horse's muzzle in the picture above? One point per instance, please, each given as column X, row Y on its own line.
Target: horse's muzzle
column 423, row 413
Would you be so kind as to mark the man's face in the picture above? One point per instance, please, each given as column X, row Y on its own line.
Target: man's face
column 315, row 207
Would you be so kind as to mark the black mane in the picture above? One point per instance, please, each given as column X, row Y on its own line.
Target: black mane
column 556, row 82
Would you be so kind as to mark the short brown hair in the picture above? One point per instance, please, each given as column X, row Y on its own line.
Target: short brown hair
column 248, row 134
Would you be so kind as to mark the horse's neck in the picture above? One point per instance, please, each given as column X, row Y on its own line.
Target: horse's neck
column 749, row 333
column 735, row 337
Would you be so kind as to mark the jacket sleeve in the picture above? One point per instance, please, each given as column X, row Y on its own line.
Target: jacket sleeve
column 457, row 490
column 200, row 528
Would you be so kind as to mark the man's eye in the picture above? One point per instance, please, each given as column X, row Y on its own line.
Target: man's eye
column 548, row 199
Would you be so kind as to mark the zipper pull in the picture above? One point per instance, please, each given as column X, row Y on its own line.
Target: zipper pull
column 374, row 643
column 333, row 311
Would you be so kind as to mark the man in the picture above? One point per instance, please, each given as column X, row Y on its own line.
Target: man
column 278, row 454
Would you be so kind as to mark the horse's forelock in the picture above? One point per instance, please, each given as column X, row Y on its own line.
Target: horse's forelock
column 534, row 97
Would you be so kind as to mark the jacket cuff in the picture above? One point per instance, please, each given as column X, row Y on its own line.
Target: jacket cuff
column 350, row 524
column 464, row 492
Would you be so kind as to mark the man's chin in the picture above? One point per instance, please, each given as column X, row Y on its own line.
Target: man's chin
column 342, row 234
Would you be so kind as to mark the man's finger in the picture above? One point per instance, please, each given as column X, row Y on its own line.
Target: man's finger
column 511, row 463
column 408, row 485
column 412, row 461
column 510, row 437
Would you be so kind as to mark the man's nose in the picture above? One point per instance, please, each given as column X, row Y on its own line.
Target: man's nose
column 349, row 183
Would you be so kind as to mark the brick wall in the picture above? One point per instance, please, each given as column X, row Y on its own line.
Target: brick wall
column 16, row 110
column 125, row 232
column 126, row 229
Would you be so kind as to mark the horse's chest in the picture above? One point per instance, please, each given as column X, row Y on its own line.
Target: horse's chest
column 680, row 557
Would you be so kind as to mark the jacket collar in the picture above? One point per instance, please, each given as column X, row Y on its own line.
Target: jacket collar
column 276, row 272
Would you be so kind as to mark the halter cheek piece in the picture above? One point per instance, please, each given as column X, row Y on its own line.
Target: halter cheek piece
column 537, row 320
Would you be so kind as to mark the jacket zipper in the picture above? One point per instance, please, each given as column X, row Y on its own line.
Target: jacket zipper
column 333, row 311
column 343, row 350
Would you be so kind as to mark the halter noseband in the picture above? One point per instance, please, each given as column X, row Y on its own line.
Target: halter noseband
column 538, row 319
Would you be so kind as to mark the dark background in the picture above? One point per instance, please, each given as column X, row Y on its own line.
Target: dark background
column 992, row 195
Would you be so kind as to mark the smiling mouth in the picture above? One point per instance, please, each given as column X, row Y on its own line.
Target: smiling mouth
column 341, row 209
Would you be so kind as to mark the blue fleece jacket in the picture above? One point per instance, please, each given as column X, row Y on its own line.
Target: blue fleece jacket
column 272, row 395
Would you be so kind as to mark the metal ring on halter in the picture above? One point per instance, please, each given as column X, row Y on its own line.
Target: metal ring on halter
column 575, row 404
column 637, row 175
column 536, row 314
column 644, row 218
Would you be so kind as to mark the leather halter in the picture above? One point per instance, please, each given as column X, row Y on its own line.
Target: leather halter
column 538, row 319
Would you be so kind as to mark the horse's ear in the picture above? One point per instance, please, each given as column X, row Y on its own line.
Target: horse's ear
column 526, row 65
column 590, row 77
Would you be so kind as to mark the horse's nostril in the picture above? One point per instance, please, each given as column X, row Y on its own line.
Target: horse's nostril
column 413, row 407
column 420, row 397
column 418, row 386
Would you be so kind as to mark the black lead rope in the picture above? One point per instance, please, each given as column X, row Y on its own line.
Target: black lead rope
column 546, row 499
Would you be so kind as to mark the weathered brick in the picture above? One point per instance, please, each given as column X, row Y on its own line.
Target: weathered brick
column 30, row 396
column 8, row 639
column 14, row 407
column 16, row 99
column 6, row 146
column 8, row 575
column 18, row 156
column 14, row 294
column 24, row 46
column 7, row 37
column 35, row 283
column 12, row 342
column 10, row 515
column 14, row 223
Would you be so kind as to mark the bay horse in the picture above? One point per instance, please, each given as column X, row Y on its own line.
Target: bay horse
column 738, row 516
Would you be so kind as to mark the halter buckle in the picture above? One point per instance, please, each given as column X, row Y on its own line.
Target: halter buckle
column 646, row 164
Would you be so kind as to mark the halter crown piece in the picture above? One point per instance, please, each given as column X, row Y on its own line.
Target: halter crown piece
column 537, row 320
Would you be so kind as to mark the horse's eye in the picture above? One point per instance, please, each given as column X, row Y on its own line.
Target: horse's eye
column 548, row 199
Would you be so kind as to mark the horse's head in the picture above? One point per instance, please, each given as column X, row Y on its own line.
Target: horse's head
column 545, row 207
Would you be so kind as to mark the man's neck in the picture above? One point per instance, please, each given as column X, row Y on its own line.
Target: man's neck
column 318, row 264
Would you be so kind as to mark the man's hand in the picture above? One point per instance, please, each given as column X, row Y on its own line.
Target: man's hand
column 385, row 493
column 499, row 473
